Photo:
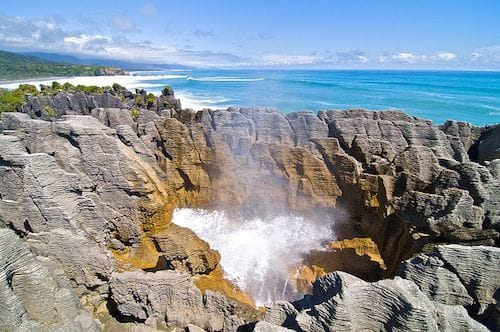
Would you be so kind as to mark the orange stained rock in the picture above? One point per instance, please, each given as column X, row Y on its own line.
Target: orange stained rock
column 362, row 246
column 302, row 278
column 145, row 256
column 216, row 282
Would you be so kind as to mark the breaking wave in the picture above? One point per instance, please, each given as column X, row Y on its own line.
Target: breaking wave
column 224, row 79
column 189, row 100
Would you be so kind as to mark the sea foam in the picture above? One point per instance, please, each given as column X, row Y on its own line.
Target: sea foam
column 257, row 253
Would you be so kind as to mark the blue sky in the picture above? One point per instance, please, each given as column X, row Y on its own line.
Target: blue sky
column 382, row 34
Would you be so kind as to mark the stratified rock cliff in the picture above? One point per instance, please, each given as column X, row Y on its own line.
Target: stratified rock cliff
column 87, row 192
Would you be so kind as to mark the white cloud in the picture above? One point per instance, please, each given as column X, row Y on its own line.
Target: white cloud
column 261, row 36
column 363, row 59
column 347, row 57
column 287, row 59
column 50, row 35
column 123, row 24
column 16, row 33
column 409, row 58
column 405, row 58
column 82, row 40
column 487, row 55
column 446, row 56
column 201, row 33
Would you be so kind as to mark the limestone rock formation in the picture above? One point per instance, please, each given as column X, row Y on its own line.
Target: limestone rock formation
column 172, row 297
column 89, row 180
column 35, row 294
column 459, row 275
column 342, row 302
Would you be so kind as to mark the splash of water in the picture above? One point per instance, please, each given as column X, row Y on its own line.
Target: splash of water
column 257, row 254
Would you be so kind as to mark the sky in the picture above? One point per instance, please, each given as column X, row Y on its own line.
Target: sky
column 375, row 34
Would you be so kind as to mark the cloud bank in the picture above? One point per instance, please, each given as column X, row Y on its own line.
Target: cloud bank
column 50, row 35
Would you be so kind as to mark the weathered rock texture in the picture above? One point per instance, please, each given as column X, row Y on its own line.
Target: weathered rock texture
column 342, row 302
column 35, row 294
column 91, row 189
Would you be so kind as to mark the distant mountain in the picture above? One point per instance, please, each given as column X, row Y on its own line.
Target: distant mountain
column 126, row 65
column 19, row 66
column 54, row 57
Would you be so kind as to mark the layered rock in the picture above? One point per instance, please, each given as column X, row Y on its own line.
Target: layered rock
column 458, row 275
column 95, row 205
column 35, row 294
column 92, row 190
column 342, row 302
column 171, row 296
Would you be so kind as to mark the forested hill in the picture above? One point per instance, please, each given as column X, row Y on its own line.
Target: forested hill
column 16, row 66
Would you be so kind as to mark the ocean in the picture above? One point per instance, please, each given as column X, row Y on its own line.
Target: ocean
column 436, row 95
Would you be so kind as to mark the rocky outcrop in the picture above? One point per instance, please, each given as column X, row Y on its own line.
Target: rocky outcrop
column 57, row 102
column 35, row 294
column 90, row 188
column 109, row 71
column 342, row 302
column 458, row 275
column 172, row 297
column 358, row 256
column 92, row 199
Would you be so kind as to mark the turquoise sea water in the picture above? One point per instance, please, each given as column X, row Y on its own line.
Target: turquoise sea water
column 436, row 95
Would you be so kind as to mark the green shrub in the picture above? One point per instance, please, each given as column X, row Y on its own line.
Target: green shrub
column 11, row 100
column 89, row 88
column 150, row 99
column 68, row 87
column 139, row 99
column 28, row 89
column 134, row 112
column 117, row 87
column 56, row 86
column 50, row 112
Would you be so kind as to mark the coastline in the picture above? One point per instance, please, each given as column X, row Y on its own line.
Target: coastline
column 438, row 96
column 131, row 82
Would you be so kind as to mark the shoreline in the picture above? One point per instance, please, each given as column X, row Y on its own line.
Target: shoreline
column 131, row 82
column 219, row 90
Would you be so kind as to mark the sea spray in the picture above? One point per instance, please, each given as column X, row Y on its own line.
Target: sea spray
column 257, row 253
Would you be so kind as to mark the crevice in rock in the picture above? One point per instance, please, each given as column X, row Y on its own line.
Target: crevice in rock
column 71, row 140
column 5, row 163
column 473, row 308
column 116, row 314
column 161, row 146
column 188, row 184
column 19, row 232
column 473, row 151
column 162, row 264
column 27, row 226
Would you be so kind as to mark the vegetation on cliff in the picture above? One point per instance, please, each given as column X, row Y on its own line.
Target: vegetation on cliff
column 12, row 100
column 16, row 66
column 56, row 94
